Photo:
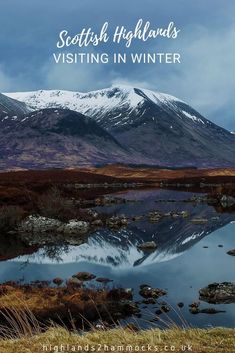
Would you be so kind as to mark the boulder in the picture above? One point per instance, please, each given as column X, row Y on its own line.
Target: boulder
column 58, row 281
column 74, row 227
column 231, row 252
column 149, row 292
column 150, row 245
column 38, row 224
column 194, row 310
column 218, row 293
column 117, row 222
column 154, row 216
column 84, row 276
column 165, row 309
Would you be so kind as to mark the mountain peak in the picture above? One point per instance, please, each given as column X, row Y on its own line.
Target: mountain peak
column 153, row 127
column 111, row 107
column 114, row 95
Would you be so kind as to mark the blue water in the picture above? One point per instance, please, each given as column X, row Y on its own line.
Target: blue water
column 181, row 264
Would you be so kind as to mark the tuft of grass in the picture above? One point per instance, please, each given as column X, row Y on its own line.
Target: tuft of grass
column 24, row 333
column 217, row 340
column 20, row 323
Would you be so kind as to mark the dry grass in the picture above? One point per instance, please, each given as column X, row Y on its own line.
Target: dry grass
column 72, row 305
column 24, row 333
column 202, row 341
column 50, row 302
column 152, row 174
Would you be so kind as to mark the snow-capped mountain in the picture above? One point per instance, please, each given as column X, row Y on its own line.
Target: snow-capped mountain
column 106, row 105
column 159, row 128
column 11, row 107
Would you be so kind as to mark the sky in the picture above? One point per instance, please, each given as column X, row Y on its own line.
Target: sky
column 205, row 78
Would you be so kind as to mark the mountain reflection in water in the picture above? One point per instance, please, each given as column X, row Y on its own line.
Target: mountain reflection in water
column 119, row 249
column 188, row 256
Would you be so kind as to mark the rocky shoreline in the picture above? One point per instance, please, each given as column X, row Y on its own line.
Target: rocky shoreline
column 76, row 298
column 62, row 216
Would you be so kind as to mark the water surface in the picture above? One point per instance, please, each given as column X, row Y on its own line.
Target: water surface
column 188, row 256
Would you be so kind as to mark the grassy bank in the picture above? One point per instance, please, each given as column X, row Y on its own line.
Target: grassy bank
column 218, row 340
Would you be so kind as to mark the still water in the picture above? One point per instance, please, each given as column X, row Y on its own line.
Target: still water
column 188, row 257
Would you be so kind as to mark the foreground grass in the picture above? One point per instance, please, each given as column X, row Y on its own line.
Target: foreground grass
column 218, row 340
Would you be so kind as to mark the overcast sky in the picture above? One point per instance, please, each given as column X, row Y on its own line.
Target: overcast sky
column 204, row 79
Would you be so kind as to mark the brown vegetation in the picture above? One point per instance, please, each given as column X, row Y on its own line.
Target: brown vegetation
column 24, row 187
column 156, row 175
column 58, row 193
column 70, row 304
column 10, row 216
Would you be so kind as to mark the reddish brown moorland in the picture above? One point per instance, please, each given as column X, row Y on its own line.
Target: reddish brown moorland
column 157, row 175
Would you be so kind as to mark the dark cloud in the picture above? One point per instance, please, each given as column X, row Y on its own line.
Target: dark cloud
column 204, row 78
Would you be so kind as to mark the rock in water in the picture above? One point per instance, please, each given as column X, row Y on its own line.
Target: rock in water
column 231, row 252
column 74, row 227
column 218, row 293
column 38, row 224
column 58, row 281
column 149, row 292
column 150, row 245
column 84, row 276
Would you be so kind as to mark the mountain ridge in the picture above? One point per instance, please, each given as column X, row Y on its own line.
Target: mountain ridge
column 155, row 128
column 11, row 107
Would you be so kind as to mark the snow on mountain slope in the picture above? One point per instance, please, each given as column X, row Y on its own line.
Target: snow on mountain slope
column 157, row 128
column 11, row 107
column 101, row 253
column 101, row 104
column 107, row 98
